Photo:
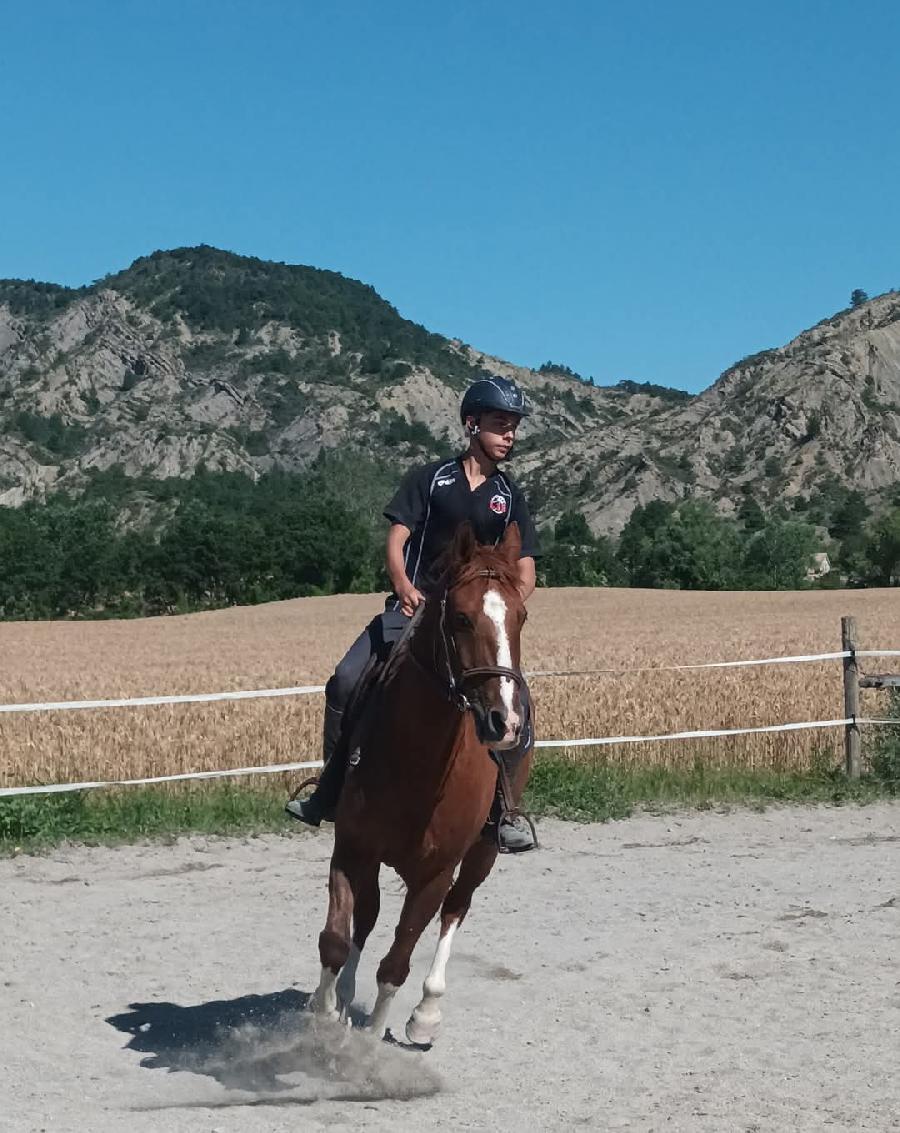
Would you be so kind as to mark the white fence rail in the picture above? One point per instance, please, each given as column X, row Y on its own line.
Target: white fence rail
column 306, row 690
column 849, row 722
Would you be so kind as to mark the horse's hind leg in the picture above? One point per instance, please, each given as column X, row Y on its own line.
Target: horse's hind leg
column 367, row 901
column 425, row 1021
column 334, row 939
column 419, row 907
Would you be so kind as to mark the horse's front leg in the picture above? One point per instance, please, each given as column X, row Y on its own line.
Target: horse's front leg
column 367, row 901
column 420, row 906
column 334, row 939
column 425, row 1021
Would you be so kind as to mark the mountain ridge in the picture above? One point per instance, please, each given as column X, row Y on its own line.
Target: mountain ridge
column 198, row 358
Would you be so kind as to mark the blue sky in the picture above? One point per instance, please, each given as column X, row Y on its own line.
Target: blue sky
column 646, row 190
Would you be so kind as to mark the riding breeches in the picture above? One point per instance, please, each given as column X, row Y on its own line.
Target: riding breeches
column 376, row 640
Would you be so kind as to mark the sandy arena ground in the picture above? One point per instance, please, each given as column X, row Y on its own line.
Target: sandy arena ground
column 699, row 972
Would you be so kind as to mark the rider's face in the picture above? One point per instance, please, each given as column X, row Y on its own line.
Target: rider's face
column 496, row 433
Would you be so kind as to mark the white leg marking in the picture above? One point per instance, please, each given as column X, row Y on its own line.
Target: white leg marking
column 346, row 984
column 425, row 1020
column 495, row 608
column 377, row 1023
column 324, row 1001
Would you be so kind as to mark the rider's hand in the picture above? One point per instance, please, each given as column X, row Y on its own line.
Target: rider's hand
column 410, row 598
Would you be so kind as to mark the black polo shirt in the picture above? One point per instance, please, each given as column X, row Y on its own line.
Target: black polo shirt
column 435, row 500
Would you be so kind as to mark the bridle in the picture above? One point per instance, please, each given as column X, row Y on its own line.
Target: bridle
column 457, row 676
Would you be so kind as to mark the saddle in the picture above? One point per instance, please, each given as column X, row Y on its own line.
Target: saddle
column 362, row 703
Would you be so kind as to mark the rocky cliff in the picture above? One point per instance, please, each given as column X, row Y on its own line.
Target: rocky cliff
column 197, row 357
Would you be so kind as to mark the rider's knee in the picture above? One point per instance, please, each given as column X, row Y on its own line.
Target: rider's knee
column 339, row 687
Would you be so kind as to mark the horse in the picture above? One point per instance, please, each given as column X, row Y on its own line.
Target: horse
column 420, row 788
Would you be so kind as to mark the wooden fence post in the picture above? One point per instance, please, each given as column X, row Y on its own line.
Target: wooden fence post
column 851, row 698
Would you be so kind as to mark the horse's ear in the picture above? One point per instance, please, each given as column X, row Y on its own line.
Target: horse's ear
column 464, row 544
column 512, row 542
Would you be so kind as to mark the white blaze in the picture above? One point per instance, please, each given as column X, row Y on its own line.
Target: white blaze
column 495, row 608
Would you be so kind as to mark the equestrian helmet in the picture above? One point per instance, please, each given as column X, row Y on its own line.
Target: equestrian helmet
column 493, row 393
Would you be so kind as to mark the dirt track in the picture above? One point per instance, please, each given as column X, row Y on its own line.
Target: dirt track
column 707, row 972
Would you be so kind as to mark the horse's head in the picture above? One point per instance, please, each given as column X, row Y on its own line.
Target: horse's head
column 481, row 620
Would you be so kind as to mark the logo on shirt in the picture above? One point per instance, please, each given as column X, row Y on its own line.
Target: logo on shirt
column 498, row 504
column 445, row 481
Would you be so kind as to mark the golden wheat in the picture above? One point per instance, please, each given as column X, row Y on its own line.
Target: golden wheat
column 298, row 642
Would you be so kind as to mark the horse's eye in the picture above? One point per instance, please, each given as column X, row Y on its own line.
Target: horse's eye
column 462, row 622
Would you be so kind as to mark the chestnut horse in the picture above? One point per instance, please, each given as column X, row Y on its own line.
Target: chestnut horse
column 421, row 790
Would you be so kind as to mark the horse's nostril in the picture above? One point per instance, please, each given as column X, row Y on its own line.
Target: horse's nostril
column 496, row 724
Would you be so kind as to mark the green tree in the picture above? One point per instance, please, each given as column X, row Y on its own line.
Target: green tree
column 858, row 297
column 570, row 564
column 572, row 527
column 690, row 547
column 57, row 558
column 704, row 548
column 853, row 558
column 849, row 516
column 884, row 548
column 639, row 543
column 215, row 540
column 750, row 515
column 778, row 556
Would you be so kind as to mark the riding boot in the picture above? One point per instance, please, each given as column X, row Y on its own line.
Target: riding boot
column 322, row 803
column 512, row 829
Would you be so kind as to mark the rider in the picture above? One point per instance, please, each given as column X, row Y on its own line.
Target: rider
column 430, row 504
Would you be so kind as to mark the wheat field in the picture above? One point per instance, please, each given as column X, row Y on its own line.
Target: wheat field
column 298, row 642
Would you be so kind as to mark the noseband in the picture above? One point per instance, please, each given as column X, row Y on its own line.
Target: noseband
column 458, row 677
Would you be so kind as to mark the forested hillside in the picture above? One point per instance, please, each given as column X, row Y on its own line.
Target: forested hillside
column 160, row 427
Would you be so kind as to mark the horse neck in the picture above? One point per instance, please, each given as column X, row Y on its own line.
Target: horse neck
column 427, row 652
column 423, row 689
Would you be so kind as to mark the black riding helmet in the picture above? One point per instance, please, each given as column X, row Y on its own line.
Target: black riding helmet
column 493, row 393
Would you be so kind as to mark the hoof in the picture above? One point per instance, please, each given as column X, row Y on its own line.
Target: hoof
column 388, row 1037
column 318, row 1008
column 420, row 1033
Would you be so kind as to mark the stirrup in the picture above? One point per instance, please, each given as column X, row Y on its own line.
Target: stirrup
column 312, row 781
column 300, row 808
column 507, row 812
column 511, row 817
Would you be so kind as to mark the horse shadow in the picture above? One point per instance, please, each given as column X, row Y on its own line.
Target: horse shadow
column 271, row 1044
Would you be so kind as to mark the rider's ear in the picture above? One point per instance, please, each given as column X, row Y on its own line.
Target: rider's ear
column 512, row 542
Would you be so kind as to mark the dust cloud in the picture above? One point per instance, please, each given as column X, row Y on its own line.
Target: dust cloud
column 300, row 1057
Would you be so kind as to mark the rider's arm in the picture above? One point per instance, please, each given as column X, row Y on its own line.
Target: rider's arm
column 530, row 545
column 405, row 512
column 409, row 596
column 527, row 578
column 397, row 537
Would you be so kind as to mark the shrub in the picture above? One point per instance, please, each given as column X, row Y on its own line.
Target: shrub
column 885, row 747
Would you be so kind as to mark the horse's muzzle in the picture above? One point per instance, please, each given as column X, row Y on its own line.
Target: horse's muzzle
column 495, row 727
